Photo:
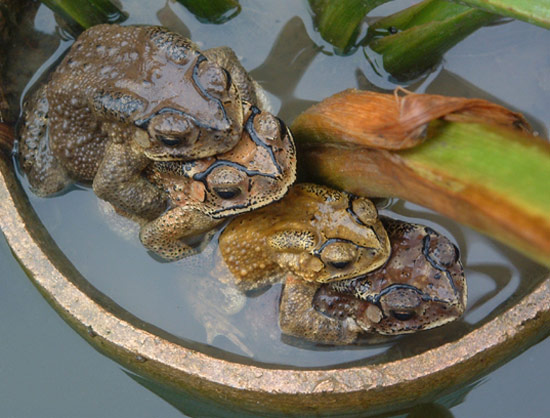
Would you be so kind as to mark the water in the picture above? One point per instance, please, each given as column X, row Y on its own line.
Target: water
column 296, row 67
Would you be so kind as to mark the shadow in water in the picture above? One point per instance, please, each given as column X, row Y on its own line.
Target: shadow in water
column 500, row 275
column 31, row 48
column 288, row 60
column 363, row 83
column 448, row 83
column 194, row 406
column 530, row 273
column 191, row 405
column 432, row 410
column 170, row 20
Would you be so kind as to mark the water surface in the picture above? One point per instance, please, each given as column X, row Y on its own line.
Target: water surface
column 296, row 67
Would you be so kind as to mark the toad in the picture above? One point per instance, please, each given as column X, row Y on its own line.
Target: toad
column 421, row 286
column 123, row 97
column 316, row 233
column 341, row 277
column 202, row 193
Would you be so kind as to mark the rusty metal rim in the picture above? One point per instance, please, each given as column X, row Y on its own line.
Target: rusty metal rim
column 367, row 389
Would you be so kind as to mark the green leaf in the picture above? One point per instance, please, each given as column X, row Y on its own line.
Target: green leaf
column 415, row 39
column 472, row 165
column 536, row 12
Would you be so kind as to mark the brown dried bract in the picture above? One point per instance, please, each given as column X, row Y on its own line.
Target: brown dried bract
column 395, row 121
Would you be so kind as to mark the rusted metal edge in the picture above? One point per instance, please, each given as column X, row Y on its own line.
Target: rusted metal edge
column 264, row 389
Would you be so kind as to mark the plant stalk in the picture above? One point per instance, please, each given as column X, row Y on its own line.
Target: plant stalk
column 338, row 21
column 415, row 39
column 486, row 175
column 86, row 13
column 212, row 11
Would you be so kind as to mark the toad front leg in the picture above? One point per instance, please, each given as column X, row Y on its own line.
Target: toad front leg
column 298, row 317
column 166, row 234
column 119, row 181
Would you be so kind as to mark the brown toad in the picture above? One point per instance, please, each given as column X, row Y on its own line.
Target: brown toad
column 202, row 193
column 316, row 233
column 421, row 286
column 124, row 96
column 334, row 297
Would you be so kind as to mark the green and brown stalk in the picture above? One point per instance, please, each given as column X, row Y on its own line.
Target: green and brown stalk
column 468, row 159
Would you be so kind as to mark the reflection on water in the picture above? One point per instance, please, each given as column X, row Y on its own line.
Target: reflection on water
column 289, row 59
column 286, row 65
column 192, row 405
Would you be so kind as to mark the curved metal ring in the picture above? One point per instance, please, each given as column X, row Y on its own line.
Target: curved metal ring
column 155, row 354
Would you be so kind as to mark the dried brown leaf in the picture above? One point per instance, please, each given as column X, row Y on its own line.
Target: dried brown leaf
column 395, row 122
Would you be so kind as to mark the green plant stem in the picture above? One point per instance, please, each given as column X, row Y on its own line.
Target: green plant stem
column 212, row 11
column 424, row 33
column 86, row 13
column 491, row 178
column 106, row 7
column 536, row 12
column 338, row 21
column 421, row 13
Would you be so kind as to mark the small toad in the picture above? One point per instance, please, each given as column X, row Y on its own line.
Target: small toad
column 421, row 286
column 202, row 193
column 123, row 97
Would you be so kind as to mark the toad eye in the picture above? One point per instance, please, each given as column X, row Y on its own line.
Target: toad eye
column 339, row 264
column 227, row 192
column 403, row 315
column 339, row 255
column 170, row 141
column 228, row 182
column 173, row 129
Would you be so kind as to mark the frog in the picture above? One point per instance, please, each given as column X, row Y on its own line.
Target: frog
column 417, row 285
column 221, row 291
column 124, row 96
column 316, row 233
column 421, row 286
column 203, row 193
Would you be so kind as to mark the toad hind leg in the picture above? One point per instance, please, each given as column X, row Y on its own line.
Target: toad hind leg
column 45, row 173
column 119, row 181
column 165, row 235
column 215, row 325
column 298, row 317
